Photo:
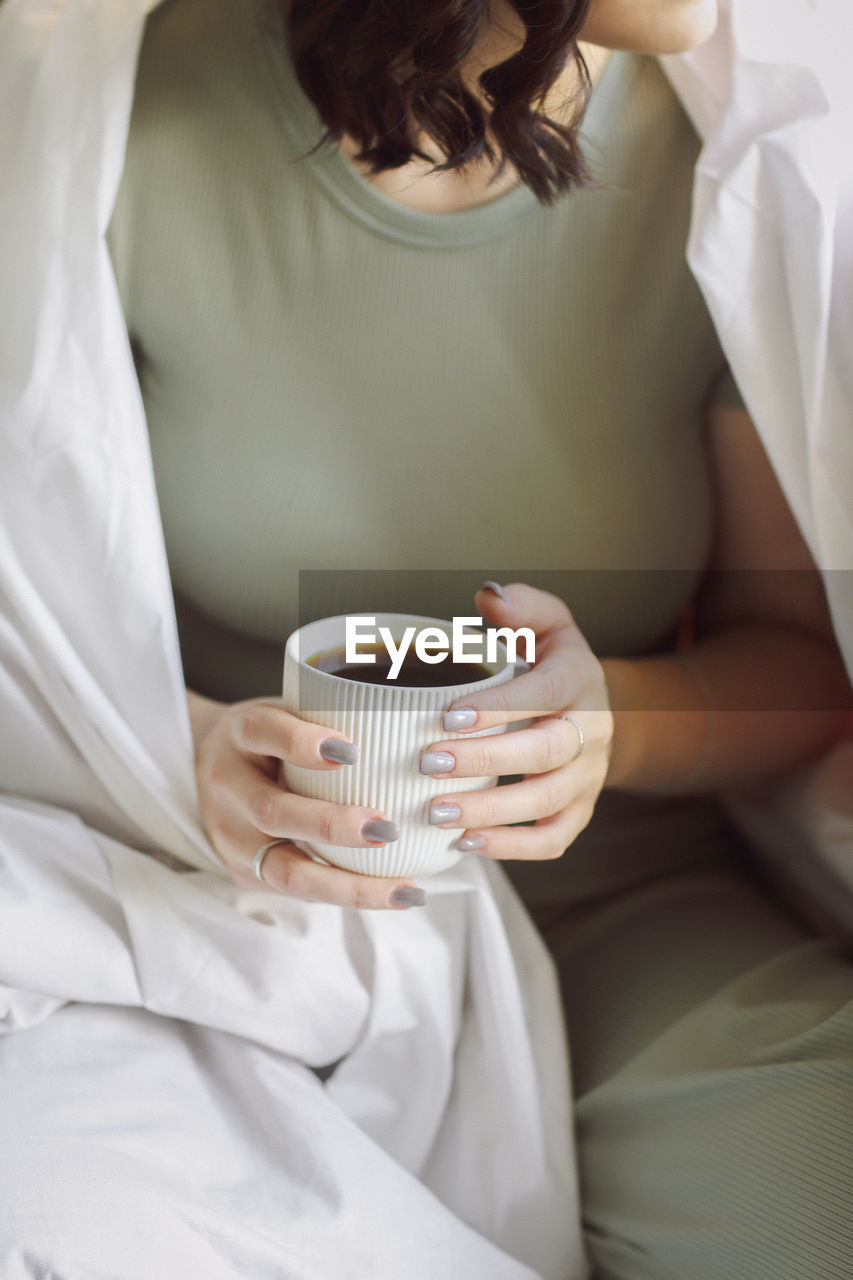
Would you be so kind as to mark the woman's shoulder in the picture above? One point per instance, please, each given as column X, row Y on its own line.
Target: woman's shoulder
column 205, row 41
column 635, row 126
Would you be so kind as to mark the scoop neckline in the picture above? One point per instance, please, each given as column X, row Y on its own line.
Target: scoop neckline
column 362, row 200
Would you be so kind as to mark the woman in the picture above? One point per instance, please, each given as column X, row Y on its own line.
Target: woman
column 648, row 984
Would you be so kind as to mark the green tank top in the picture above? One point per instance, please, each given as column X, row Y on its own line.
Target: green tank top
column 355, row 406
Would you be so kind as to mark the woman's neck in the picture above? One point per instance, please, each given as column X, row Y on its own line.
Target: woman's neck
column 416, row 186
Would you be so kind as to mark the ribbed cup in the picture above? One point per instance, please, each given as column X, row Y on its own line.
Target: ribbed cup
column 392, row 725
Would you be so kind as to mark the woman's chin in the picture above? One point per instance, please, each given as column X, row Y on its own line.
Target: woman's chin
column 691, row 28
column 651, row 26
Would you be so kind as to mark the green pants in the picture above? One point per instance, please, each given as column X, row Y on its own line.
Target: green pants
column 712, row 1049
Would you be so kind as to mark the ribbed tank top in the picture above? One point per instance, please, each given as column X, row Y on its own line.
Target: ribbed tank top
column 385, row 405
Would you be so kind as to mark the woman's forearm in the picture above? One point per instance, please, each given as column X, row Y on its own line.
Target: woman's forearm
column 745, row 704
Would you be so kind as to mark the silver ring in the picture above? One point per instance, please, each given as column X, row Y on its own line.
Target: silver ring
column 258, row 860
column 579, row 751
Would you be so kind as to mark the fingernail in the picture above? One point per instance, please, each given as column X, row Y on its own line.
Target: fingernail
column 458, row 718
column 407, row 896
column 497, row 588
column 437, row 762
column 467, row 843
column 336, row 751
column 439, row 813
column 380, row 830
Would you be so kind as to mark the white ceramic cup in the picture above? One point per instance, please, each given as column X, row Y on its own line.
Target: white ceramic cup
column 392, row 724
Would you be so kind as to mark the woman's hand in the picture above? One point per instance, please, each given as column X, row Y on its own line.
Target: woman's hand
column 564, row 768
column 239, row 750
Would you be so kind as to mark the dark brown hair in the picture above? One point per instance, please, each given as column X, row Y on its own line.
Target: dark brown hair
column 381, row 71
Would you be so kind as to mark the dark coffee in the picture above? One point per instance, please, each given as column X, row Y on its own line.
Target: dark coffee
column 413, row 673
